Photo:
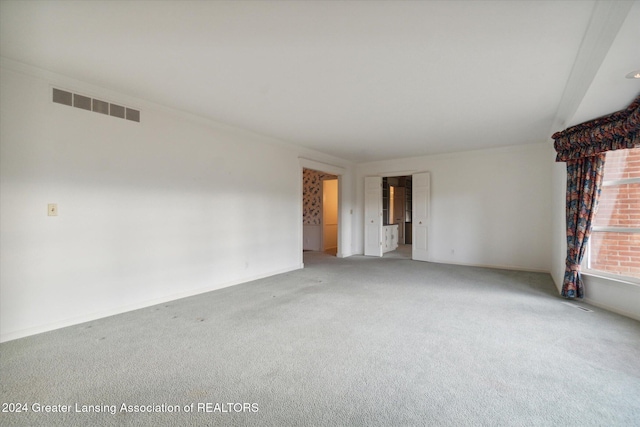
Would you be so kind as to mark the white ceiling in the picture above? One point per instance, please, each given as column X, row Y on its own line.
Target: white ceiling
column 359, row 80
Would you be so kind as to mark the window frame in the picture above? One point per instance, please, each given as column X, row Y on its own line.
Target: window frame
column 607, row 229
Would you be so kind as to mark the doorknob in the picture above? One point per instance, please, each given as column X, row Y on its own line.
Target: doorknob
column 371, row 221
column 420, row 222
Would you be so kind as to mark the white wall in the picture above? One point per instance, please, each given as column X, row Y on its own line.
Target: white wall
column 488, row 207
column 148, row 212
column 312, row 237
column 614, row 295
column 558, row 220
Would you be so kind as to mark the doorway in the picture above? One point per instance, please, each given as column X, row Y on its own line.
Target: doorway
column 397, row 205
column 330, row 216
column 397, row 211
column 387, row 215
column 320, row 195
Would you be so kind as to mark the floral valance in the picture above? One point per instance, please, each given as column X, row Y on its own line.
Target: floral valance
column 612, row 132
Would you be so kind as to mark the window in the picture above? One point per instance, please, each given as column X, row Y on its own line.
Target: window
column 614, row 246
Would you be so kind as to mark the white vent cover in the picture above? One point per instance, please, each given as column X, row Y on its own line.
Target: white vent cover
column 97, row 106
column 579, row 307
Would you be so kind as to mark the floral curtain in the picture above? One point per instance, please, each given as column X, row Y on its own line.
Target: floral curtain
column 584, row 180
column 584, row 147
column 613, row 132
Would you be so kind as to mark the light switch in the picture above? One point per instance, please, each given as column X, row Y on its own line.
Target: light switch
column 52, row 209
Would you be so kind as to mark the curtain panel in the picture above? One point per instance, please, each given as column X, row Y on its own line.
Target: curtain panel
column 584, row 182
column 615, row 131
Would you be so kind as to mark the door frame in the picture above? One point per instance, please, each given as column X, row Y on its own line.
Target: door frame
column 413, row 230
column 339, row 171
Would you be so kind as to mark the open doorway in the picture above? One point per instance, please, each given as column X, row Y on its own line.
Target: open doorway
column 330, row 216
column 379, row 235
column 319, row 211
column 397, row 216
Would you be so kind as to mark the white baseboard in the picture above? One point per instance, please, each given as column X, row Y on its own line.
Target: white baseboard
column 612, row 309
column 123, row 309
column 462, row 264
column 497, row 267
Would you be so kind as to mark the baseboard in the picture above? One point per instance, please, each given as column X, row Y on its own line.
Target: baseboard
column 462, row 264
column 612, row 309
column 345, row 254
column 497, row 267
column 124, row 309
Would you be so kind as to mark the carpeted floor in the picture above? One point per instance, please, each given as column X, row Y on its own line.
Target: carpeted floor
column 356, row 341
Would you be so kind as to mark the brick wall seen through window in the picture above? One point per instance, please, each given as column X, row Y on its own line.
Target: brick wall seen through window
column 615, row 240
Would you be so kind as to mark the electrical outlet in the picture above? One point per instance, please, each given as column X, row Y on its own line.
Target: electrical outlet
column 52, row 209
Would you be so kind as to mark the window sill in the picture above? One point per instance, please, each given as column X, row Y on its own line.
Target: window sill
column 619, row 280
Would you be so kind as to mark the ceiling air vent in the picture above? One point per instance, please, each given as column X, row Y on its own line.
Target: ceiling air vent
column 95, row 105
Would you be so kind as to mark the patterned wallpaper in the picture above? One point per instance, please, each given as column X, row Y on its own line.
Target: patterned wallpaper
column 312, row 196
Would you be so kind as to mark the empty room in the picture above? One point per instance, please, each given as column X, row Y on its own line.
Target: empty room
column 320, row 213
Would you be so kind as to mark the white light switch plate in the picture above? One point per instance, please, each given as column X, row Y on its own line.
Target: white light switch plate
column 52, row 209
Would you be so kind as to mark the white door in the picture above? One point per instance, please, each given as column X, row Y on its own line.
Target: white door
column 420, row 218
column 373, row 216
